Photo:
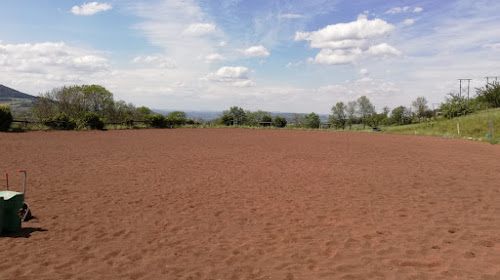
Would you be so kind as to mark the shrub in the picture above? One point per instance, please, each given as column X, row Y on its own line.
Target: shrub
column 93, row 120
column 61, row 121
column 129, row 121
column 280, row 121
column 156, row 121
column 5, row 118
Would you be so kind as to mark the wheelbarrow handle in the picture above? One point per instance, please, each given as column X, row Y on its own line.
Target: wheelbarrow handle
column 24, row 185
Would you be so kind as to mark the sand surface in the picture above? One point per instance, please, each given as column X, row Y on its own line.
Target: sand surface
column 252, row 204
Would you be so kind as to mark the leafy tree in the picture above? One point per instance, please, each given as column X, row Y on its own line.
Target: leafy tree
column 144, row 111
column 253, row 118
column 43, row 108
column 351, row 111
column 312, row 120
column 235, row 114
column 420, row 105
column 297, row 120
column 455, row 106
column 5, row 118
column 365, row 108
column 280, row 121
column 490, row 95
column 266, row 118
column 401, row 115
column 177, row 118
column 339, row 115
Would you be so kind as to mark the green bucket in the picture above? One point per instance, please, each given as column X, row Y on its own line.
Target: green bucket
column 10, row 203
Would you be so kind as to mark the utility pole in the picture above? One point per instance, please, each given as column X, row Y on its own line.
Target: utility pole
column 492, row 78
column 464, row 90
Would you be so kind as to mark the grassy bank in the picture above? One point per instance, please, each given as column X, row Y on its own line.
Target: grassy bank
column 475, row 126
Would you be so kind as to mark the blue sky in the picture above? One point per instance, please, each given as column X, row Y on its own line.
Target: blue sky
column 275, row 55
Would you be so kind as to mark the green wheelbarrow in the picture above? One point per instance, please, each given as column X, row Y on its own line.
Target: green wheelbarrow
column 13, row 209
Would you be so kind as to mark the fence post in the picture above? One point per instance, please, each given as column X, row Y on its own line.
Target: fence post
column 491, row 128
column 458, row 128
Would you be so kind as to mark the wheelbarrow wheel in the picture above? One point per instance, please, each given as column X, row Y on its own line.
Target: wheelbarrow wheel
column 25, row 213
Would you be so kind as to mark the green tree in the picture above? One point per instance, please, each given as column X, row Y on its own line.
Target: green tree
column 365, row 108
column 298, row 119
column 401, row 115
column 455, row 106
column 490, row 95
column 234, row 115
column 177, row 118
column 312, row 120
column 144, row 111
column 420, row 105
column 339, row 115
column 351, row 111
column 5, row 118
column 280, row 121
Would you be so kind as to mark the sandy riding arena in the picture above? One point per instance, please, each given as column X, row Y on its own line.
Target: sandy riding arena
column 252, row 204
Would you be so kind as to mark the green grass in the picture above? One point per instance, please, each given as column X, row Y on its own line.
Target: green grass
column 474, row 126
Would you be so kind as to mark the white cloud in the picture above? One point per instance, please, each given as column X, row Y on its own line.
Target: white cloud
column 409, row 21
column 291, row 16
column 244, row 83
column 214, row 57
column 37, row 67
column 256, row 51
column 417, row 10
column 229, row 74
column 197, row 29
column 347, row 42
column 222, row 44
column 156, row 60
column 397, row 10
column 91, row 8
column 363, row 71
column 382, row 50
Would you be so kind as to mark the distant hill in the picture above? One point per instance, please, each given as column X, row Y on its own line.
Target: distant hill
column 17, row 100
column 211, row 115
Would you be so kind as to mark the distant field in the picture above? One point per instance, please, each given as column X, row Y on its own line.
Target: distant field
column 252, row 204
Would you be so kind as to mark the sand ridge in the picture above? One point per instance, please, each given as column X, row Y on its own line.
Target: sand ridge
column 252, row 204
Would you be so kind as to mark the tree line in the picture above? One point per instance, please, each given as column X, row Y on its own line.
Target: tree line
column 92, row 106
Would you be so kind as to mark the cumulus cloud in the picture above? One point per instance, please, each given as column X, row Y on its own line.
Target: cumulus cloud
column 49, row 57
column 197, row 29
column 229, row 73
column 91, row 8
column 383, row 50
column 156, row 60
column 214, row 57
column 37, row 67
column 235, row 75
column 363, row 71
column 417, row 10
column 256, row 51
column 409, row 21
column 346, row 42
column 291, row 16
